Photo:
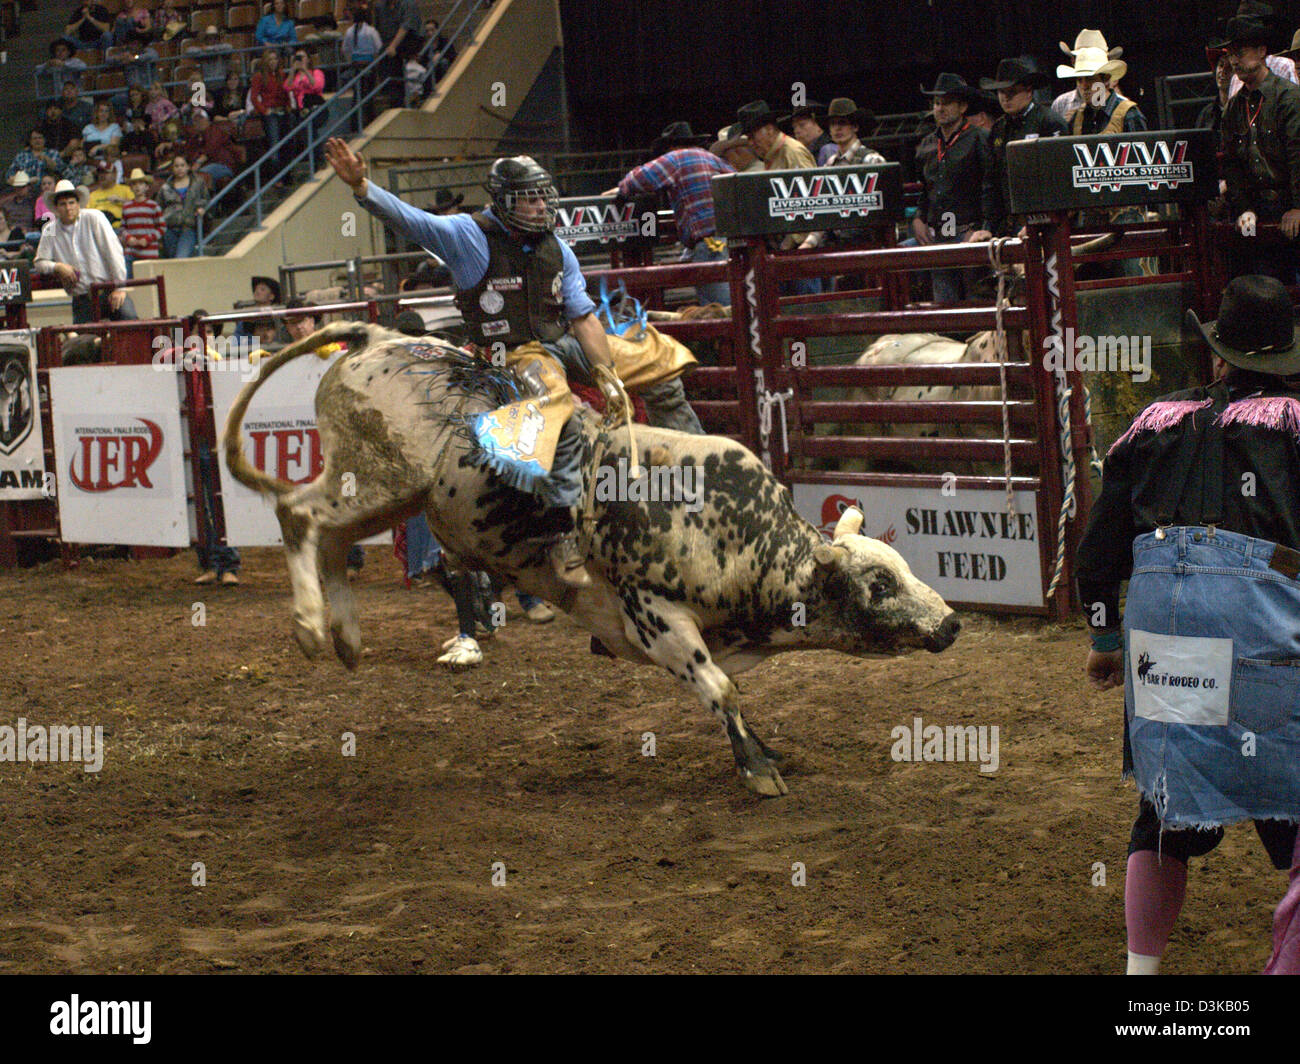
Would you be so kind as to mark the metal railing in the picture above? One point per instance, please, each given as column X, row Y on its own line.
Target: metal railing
column 1180, row 97
column 325, row 122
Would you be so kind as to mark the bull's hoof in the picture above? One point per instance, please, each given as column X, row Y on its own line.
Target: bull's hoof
column 460, row 652
column 310, row 640
column 349, row 652
column 766, row 782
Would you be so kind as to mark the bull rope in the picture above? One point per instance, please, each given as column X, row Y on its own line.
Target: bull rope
column 618, row 409
column 1000, row 346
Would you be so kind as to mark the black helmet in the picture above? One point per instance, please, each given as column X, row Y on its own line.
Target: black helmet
column 508, row 179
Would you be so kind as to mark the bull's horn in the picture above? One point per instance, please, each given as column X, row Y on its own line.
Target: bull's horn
column 849, row 524
column 828, row 555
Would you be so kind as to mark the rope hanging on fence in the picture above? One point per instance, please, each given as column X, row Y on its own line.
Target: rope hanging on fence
column 1063, row 392
column 1000, row 346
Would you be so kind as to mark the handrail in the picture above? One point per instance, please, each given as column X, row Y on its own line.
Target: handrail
column 315, row 137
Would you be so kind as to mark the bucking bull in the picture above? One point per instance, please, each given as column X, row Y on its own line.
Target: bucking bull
column 705, row 591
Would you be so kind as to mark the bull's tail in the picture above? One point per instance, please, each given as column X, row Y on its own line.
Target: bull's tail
column 349, row 332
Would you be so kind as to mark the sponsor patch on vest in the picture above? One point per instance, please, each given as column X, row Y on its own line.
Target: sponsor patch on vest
column 1180, row 679
column 506, row 284
column 495, row 328
column 491, row 302
column 557, row 285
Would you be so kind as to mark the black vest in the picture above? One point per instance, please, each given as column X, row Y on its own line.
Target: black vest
column 519, row 298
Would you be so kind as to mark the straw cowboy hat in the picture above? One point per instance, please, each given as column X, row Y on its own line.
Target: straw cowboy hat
column 67, row 188
column 729, row 137
column 1256, row 327
column 1091, row 63
column 137, row 175
column 1294, row 51
column 1091, row 39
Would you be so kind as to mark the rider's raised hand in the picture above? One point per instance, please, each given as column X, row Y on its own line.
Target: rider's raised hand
column 350, row 167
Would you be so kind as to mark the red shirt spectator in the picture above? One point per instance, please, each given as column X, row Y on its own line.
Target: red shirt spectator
column 209, row 143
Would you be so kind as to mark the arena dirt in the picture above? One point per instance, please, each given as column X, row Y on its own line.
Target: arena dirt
column 224, row 747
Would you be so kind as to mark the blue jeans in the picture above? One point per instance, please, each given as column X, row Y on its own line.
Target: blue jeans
column 179, row 243
column 212, row 555
column 274, row 128
column 84, row 311
column 719, row 292
column 422, row 551
column 1212, row 702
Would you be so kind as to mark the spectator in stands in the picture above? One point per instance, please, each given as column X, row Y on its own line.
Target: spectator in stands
column 232, row 99
column 79, row 170
column 63, row 64
column 20, row 201
column 361, row 42
column 1104, row 110
column 444, row 53
column 213, row 55
column 77, row 109
column 759, row 123
column 1261, row 155
column 276, row 28
column 142, row 223
column 808, row 131
column 399, row 26
column 79, row 248
column 1022, row 119
column 1211, row 116
column 91, row 26
column 159, row 108
column 113, row 156
column 846, row 119
column 210, row 149
column 13, row 241
column 102, row 129
column 683, row 170
column 1068, row 102
column 732, row 146
column 44, row 207
column 169, row 143
column 37, row 158
column 271, row 99
column 137, row 103
column 59, row 132
column 958, row 199
column 183, row 199
column 139, row 140
column 305, row 83
column 108, row 195
column 445, row 203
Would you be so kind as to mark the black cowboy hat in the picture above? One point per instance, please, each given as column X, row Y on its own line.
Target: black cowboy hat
column 1021, row 71
column 270, row 283
column 755, row 114
column 811, row 109
column 72, row 45
column 1256, row 327
column 986, row 103
column 1243, row 30
column 677, row 135
column 442, row 199
column 846, row 109
column 952, row 85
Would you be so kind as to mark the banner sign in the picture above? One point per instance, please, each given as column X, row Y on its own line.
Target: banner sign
column 280, row 438
column 15, row 281
column 597, row 220
column 22, row 444
column 1076, row 173
column 802, row 201
column 965, row 546
column 118, row 455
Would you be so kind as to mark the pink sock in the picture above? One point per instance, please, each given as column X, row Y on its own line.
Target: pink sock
column 1286, row 926
column 1154, row 890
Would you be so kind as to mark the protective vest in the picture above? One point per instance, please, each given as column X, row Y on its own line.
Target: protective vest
column 1212, row 659
column 519, row 297
column 1116, row 123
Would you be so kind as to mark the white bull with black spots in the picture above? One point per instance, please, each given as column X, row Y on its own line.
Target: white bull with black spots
column 705, row 591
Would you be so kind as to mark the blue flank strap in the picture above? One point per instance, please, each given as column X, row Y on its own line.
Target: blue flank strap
column 605, row 313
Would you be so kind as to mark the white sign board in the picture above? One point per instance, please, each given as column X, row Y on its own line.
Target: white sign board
column 280, row 438
column 118, row 453
column 964, row 545
column 22, row 444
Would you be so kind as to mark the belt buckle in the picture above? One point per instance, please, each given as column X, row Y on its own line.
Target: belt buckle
column 1160, row 532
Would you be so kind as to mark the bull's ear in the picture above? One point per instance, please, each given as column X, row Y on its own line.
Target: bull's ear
column 849, row 524
column 828, row 556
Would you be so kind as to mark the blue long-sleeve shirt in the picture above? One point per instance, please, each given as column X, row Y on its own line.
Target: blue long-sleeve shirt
column 269, row 31
column 463, row 246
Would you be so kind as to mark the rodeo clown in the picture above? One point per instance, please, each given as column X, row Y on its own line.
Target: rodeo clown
column 522, row 293
column 1200, row 509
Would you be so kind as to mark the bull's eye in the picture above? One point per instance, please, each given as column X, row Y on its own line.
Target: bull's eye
column 881, row 587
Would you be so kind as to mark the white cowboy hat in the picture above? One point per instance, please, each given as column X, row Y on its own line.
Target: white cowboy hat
column 21, row 179
column 1091, row 39
column 65, row 186
column 1091, row 62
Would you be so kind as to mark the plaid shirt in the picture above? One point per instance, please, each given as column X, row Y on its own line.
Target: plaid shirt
column 26, row 160
column 685, row 174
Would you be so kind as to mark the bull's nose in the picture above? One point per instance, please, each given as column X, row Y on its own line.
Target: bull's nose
column 944, row 635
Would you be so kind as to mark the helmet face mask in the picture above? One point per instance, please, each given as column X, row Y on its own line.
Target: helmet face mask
column 523, row 195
